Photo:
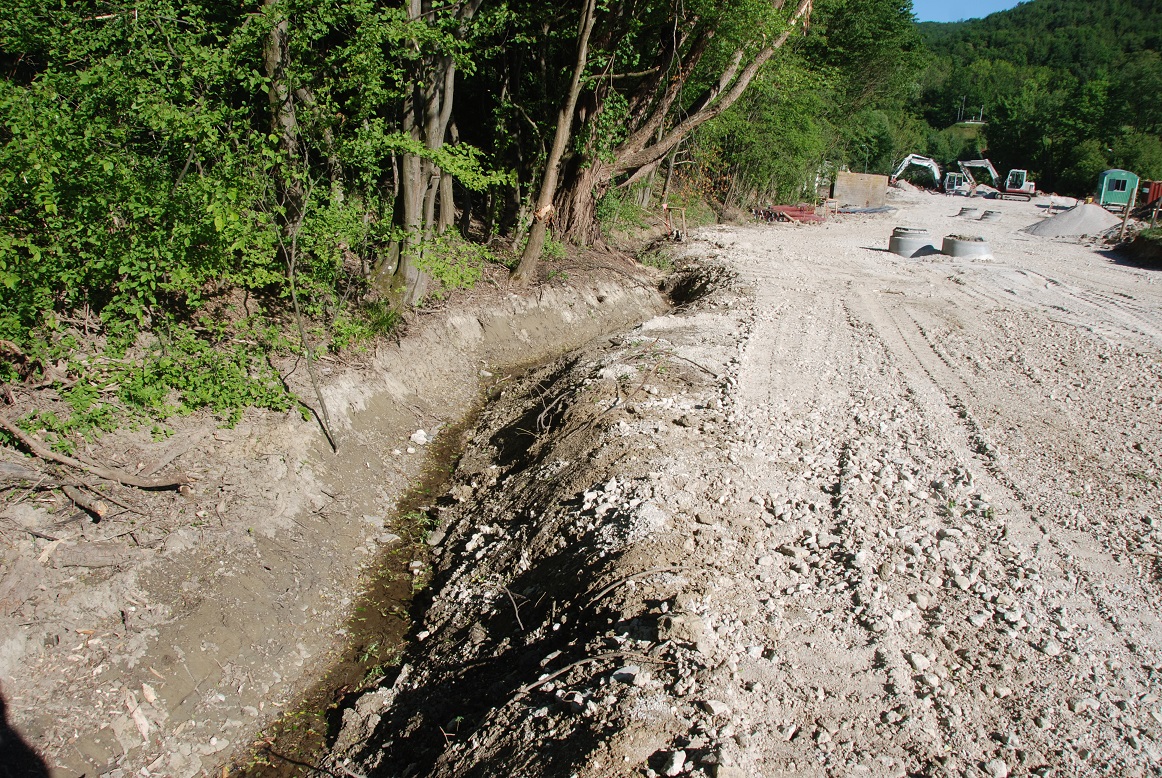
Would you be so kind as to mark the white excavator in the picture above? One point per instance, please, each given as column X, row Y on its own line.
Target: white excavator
column 1017, row 185
column 918, row 161
column 971, row 184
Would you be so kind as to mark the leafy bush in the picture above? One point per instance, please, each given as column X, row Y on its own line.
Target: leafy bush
column 453, row 262
column 619, row 209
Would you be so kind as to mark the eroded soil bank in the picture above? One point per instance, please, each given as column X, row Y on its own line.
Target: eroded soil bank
column 851, row 515
column 208, row 615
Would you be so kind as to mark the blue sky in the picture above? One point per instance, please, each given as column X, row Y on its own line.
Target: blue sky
column 954, row 10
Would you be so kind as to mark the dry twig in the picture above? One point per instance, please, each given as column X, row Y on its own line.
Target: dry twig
column 82, row 500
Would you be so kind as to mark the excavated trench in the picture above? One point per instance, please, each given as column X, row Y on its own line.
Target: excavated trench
column 555, row 503
column 394, row 597
column 376, row 630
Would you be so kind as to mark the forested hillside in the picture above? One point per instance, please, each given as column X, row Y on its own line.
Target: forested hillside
column 179, row 180
column 1068, row 88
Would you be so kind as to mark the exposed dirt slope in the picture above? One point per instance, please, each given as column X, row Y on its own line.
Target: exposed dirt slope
column 852, row 515
column 205, row 615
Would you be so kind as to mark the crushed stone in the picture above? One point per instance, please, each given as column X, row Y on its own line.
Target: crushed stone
column 1082, row 219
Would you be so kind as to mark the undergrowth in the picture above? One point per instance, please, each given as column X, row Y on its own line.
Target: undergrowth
column 91, row 385
column 619, row 210
column 657, row 258
column 93, row 378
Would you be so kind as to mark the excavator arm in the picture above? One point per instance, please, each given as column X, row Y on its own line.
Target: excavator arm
column 919, row 161
column 980, row 164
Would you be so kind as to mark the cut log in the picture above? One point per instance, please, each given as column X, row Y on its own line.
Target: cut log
column 84, row 501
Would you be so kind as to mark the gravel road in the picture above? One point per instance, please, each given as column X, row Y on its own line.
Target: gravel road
column 851, row 514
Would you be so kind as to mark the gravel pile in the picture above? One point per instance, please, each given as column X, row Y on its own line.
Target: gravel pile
column 1083, row 219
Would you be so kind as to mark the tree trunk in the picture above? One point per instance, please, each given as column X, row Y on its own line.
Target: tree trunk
column 544, row 210
column 447, row 204
column 578, row 204
column 283, row 120
column 424, row 190
column 643, row 148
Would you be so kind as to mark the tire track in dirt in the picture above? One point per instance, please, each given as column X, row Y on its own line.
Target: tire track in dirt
column 1098, row 588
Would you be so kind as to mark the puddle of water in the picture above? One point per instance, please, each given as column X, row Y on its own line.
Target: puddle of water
column 376, row 630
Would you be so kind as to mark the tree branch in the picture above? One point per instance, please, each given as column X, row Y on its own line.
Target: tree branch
column 108, row 473
column 636, row 159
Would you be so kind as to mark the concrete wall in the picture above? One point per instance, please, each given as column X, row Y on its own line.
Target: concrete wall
column 861, row 190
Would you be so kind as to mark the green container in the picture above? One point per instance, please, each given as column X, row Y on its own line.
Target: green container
column 1116, row 187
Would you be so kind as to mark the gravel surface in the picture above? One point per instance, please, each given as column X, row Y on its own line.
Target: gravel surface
column 847, row 514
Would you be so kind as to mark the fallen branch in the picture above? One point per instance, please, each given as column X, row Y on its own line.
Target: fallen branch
column 115, row 501
column 706, row 370
column 175, row 450
column 84, row 501
column 108, row 473
column 515, row 609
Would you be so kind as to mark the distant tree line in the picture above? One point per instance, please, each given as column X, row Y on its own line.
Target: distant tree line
column 1068, row 88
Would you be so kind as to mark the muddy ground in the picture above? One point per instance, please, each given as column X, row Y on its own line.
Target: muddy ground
column 845, row 514
column 850, row 514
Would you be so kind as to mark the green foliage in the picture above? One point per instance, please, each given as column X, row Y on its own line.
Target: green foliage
column 835, row 101
column 554, row 249
column 222, row 367
column 184, row 372
column 600, row 137
column 84, row 414
column 1068, row 88
column 141, row 185
column 453, row 262
column 658, row 259
column 355, row 326
column 619, row 209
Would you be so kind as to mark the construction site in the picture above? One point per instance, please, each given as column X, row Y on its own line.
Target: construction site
column 871, row 493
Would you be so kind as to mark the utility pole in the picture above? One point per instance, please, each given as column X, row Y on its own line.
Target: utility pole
column 960, row 110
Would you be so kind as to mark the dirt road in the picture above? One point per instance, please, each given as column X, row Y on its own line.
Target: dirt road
column 853, row 514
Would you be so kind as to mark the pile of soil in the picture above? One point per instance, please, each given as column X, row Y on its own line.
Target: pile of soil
column 1083, row 219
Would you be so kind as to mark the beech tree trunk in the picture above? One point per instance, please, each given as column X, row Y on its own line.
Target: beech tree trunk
column 424, row 205
column 543, row 213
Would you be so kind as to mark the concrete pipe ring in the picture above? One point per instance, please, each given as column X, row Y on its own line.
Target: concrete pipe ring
column 910, row 241
column 972, row 246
